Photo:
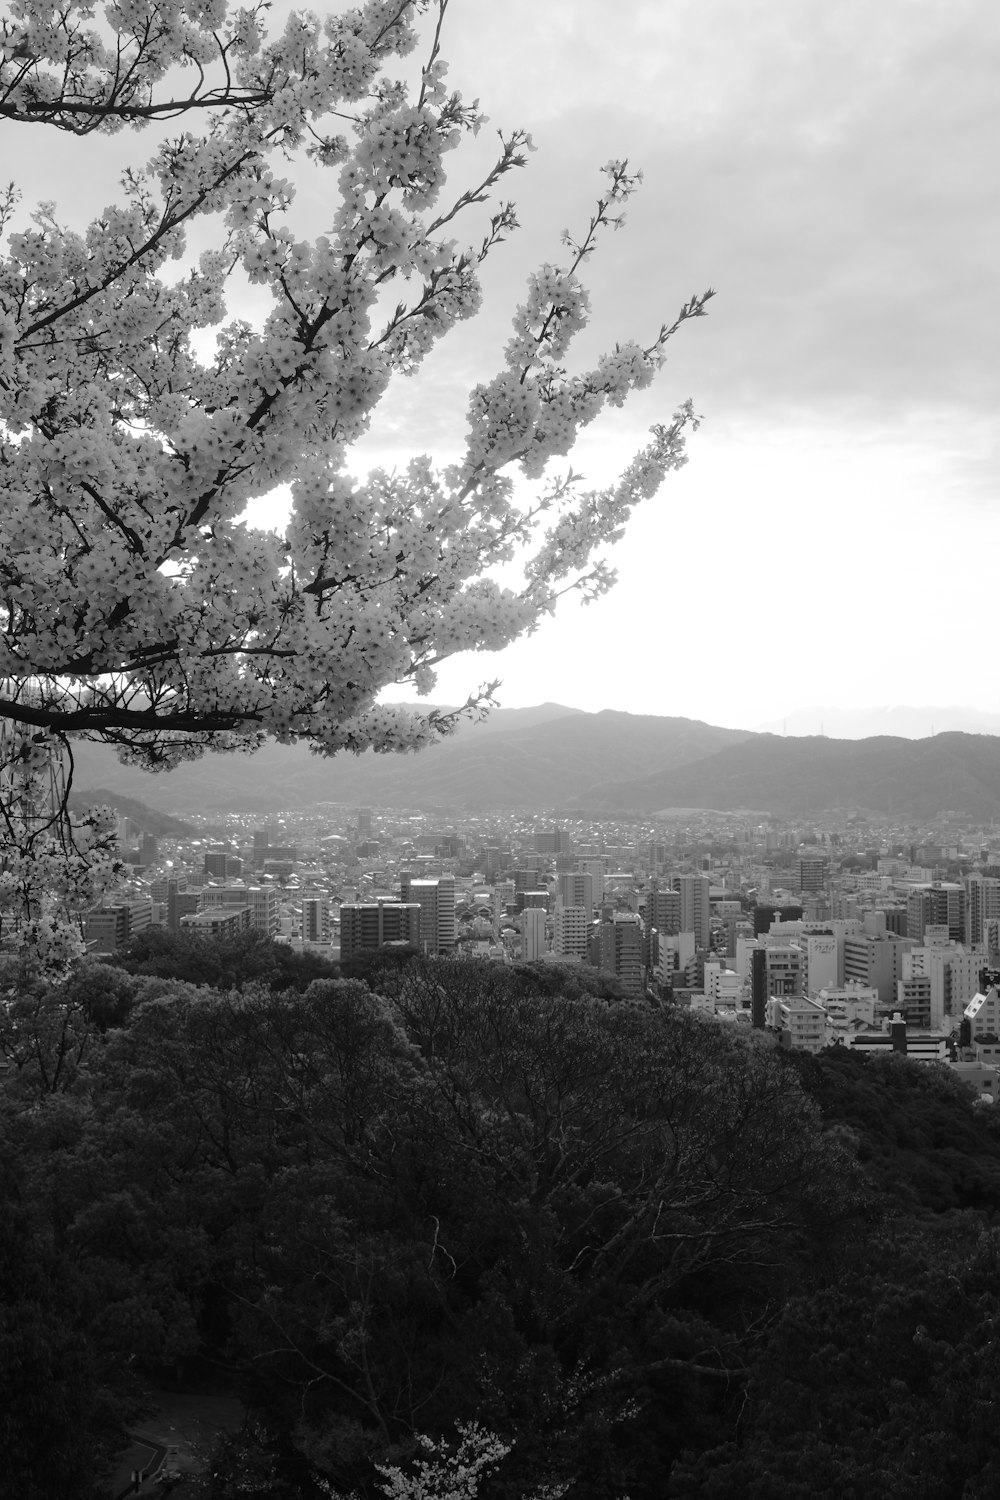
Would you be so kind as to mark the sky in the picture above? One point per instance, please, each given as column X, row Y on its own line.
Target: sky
column 830, row 169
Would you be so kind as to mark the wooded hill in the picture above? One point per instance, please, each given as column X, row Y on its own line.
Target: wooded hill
column 649, row 1254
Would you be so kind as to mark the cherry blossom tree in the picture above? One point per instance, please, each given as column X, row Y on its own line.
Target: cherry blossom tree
column 138, row 417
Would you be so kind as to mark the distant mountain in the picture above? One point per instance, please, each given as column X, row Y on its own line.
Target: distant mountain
column 897, row 719
column 150, row 819
column 915, row 779
column 551, row 756
column 546, row 756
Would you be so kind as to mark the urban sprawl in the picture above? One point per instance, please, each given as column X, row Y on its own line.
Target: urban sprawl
column 853, row 934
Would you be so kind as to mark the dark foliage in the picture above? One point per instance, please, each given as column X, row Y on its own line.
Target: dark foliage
column 224, row 963
column 57, row 1427
column 654, row 1254
column 914, row 1126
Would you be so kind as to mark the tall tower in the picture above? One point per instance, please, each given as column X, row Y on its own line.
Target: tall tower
column 437, row 907
column 572, row 930
column 695, row 909
column 315, row 920
column 663, row 911
column 982, row 904
column 532, row 933
column 576, row 888
column 620, row 945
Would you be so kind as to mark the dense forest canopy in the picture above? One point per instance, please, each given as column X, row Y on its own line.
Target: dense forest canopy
column 647, row 1254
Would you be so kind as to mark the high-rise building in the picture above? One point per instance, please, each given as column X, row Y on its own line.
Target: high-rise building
column 373, row 924
column 315, row 919
column 758, row 988
column 696, row 913
column 657, row 854
column 939, row 904
column 595, row 867
column 620, row 948
column 663, row 910
column 982, row 905
column 532, row 921
column 576, row 888
column 215, row 863
column 572, row 930
column 436, row 899
column 811, row 872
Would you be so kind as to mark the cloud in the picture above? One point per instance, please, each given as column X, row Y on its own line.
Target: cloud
column 828, row 169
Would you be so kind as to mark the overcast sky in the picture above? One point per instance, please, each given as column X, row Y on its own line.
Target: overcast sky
column 830, row 168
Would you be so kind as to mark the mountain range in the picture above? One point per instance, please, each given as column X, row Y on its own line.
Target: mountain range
column 610, row 762
column 897, row 719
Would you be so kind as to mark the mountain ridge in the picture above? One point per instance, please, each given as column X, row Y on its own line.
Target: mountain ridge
column 607, row 762
column 540, row 761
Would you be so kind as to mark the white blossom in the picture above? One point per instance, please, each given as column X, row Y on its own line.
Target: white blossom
column 135, row 602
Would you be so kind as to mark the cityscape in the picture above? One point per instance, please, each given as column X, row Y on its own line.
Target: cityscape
column 457, row 1043
column 842, row 931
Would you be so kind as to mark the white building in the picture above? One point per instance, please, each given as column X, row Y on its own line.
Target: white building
column 983, row 1013
column 572, row 931
column 800, row 1022
column 594, row 868
column 723, row 987
column 953, row 971
column 261, row 899
column 532, row 921
column 436, row 899
column 676, row 953
column 821, row 969
column 848, row 1008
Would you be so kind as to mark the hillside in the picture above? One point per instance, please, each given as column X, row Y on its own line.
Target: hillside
column 552, row 756
column 908, row 778
column 150, row 819
column 544, row 756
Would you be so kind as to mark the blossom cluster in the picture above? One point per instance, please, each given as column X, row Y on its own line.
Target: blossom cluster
column 135, row 601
